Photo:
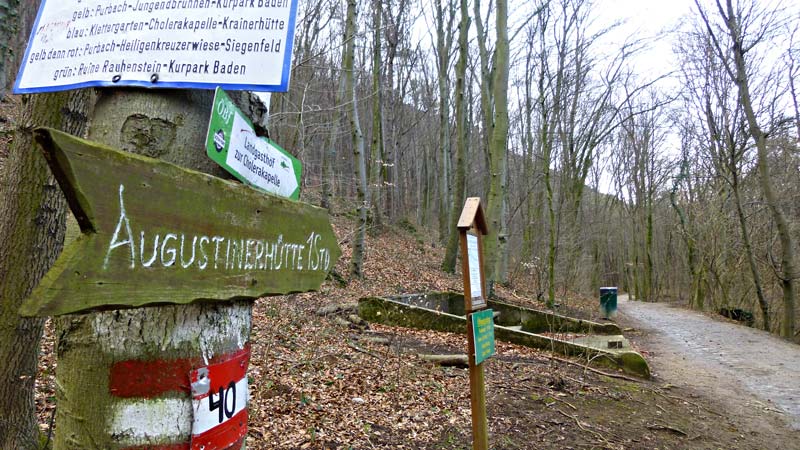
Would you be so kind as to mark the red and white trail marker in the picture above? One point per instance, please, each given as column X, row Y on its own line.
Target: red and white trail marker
column 219, row 403
column 181, row 404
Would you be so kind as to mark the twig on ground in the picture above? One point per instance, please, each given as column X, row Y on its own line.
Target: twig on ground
column 457, row 360
column 661, row 426
column 597, row 371
column 355, row 347
column 311, row 361
column 681, row 399
column 566, row 403
column 580, row 425
column 281, row 358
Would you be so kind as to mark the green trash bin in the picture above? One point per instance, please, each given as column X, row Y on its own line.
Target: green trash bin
column 608, row 302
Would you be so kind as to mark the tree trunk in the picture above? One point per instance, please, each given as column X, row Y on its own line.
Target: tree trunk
column 329, row 152
column 460, row 175
column 362, row 192
column 7, row 30
column 443, row 46
column 648, row 249
column 32, row 229
column 391, row 176
column 748, row 249
column 376, row 151
column 497, row 146
column 94, row 349
column 16, row 20
column 687, row 238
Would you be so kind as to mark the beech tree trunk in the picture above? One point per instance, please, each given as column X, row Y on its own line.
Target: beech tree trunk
column 443, row 17
column 376, row 149
column 16, row 20
column 497, row 146
column 32, row 227
column 362, row 191
column 7, row 26
column 329, row 152
column 460, row 175
column 167, row 125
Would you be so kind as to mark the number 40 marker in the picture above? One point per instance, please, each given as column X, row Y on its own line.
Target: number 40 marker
column 219, row 403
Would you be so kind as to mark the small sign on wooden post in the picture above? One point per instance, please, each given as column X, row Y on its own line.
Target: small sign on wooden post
column 480, row 322
column 483, row 334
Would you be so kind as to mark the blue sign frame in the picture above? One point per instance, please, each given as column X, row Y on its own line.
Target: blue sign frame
column 283, row 86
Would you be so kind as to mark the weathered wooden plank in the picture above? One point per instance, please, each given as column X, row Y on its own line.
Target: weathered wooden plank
column 155, row 233
column 472, row 215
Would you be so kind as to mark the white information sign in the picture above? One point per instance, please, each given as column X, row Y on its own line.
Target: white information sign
column 259, row 161
column 199, row 44
column 475, row 284
column 233, row 144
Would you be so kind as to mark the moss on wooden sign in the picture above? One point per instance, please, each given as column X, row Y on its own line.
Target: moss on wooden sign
column 155, row 233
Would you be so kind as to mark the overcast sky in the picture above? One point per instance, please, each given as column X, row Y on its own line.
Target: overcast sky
column 651, row 20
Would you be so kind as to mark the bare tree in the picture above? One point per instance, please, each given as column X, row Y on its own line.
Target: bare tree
column 743, row 28
column 495, row 107
column 376, row 149
column 348, row 69
column 645, row 172
column 459, row 176
column 444, row 16
column 32, row 230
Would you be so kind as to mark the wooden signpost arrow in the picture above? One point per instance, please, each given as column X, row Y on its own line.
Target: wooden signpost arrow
column 155, row 233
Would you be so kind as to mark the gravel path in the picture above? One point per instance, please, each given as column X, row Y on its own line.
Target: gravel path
column 731, row 362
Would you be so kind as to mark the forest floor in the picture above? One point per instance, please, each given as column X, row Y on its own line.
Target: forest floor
column 326, row 381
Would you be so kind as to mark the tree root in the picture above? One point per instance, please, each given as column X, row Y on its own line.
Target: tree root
column 597, row 435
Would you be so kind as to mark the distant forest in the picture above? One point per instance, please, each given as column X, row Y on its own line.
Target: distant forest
column 679, row 186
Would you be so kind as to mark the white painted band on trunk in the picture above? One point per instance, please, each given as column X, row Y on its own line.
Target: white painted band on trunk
column 130, row 333
column 206, row 419
column 152, row 421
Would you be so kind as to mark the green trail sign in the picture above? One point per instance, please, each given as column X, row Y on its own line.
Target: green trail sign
column 232, row 143
column 483, row 333
column 155, row 233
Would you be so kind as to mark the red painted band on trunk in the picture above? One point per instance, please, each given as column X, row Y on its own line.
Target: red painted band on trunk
column 237, row 445
column 148, row 379
column 184, row 446
column 234, row 430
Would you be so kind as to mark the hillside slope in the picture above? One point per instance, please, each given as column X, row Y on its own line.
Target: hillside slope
column 324, row 381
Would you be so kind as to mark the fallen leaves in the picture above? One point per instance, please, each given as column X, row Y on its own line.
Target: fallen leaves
column 320, row 379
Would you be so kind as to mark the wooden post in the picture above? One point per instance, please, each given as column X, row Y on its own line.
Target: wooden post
column 471, row 225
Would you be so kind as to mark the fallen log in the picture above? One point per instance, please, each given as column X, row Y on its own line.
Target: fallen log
column 447, row 360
